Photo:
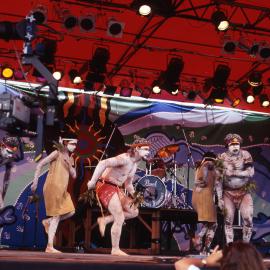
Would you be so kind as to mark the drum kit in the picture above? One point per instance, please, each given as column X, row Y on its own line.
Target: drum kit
column 157, row 189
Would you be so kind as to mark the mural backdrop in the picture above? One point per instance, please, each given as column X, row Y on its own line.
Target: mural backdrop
column 104, row 124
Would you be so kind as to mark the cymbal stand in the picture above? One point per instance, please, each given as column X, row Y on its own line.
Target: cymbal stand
column 189, row 158
column 174, row 186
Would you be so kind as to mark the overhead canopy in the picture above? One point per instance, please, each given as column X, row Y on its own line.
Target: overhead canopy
column 140, row 53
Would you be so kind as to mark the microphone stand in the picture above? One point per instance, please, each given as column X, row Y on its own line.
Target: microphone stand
column 189, row 158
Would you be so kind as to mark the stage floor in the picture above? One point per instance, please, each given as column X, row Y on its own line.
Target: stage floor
column 32, row 260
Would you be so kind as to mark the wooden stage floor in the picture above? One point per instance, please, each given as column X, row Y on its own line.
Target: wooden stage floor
column 32, row 260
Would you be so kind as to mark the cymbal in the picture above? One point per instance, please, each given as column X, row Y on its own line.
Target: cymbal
column 168, row 150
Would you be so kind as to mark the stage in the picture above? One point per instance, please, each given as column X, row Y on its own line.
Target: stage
column 31, row 260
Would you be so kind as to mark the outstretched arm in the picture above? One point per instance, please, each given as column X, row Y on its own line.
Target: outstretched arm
column 40, row 165
column 102, row 166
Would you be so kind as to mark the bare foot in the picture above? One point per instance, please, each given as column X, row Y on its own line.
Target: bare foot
column 102, row 225
column 46, row 224
column 52, row 250
column 118, row 252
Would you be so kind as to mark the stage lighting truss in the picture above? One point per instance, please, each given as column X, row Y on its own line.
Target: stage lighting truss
column 115, row 28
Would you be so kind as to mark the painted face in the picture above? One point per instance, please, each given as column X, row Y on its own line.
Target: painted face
column 234, row 148
column 71, row 146
column 143, row 151
column 6, row 153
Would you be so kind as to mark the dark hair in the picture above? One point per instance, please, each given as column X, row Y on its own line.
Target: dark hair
column 241, row 256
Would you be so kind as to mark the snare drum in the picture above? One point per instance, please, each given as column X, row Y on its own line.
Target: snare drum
column 153, row 189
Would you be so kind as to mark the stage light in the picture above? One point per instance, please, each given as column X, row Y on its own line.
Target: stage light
column 145, row 10
column 235, row 102
column 69, row 21
column 254, row 50
column 264, row 52
column 18, row 75
column 99, row 60
column 249, row 97
column 146, row 92
column 110, row 90
column 229, row 46
column 264, row 100
column 58, row 75
column 125, row 91
column 218, row 95
column 7, row 72
column 87, row 23
column 115, row 28
column 165, row 8
column 220, row 20
column 74, row 76
column 257, row 90
column 255, row 78
column 156, row 89
column 221, row 76
column 191, row 95
column 40, row 14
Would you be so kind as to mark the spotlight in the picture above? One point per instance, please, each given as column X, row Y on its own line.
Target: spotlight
column 191, row 95
column 69, row 21
column 146, row 92
column 115, row 28
column 46, row 50
column 218, row 95
column 254, row 50
column 264, row 100
column 145, row 10
column 235, row 102
column 249, row 97
column 255, row 78
column 125, row 91
column 74, row 76
column 110, row 90
column 156, row 89
column 58, row 75
column 7, row 72
column 221, row 76
column 40, row 14
column 99, row 60
column 165, row 8
column 257, row 90
column 264, row 53
column 220, row 20
column 18, row 75
column 87, row 23
column 229, row 46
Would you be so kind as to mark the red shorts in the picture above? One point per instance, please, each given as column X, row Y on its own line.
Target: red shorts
column 105, row 191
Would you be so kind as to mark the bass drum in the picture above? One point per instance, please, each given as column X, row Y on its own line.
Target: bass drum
column 153, row 190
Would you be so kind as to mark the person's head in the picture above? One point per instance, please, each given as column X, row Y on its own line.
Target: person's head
column 241, row 256
column 9, row 146
column 233, row 143
column 140, row 147
column 70, row 144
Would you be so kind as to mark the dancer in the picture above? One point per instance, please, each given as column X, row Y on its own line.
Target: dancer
column 203, row 201
column 58, row 203
column 235, row 191
column 108, row 178
column 8, row 149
